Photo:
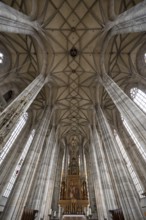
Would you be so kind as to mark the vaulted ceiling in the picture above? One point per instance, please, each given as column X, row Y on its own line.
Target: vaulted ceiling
column 74, row 34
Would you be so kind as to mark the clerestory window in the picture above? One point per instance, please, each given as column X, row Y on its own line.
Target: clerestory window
column 143, row 153
column 15, row 133
column 1, row 57
column 139, row 97
column 129, row 165
column 145, row 57
column 18, row 166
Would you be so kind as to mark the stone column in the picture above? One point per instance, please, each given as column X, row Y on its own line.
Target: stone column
column 132, row 20
column 111, row 175
column 37, row 188
column 82, row 165
column 99, row 195
column 56, row 194
column 11, row 114
column 128, row 199
column 129, row 110
column 47, row 179
column 91, row 185
column 17, row 199
column 13, row 21
column 135, row 157
column 35, row 197
column 50, row 181
column 107, row 187
column 66, row 155
column 10, row 161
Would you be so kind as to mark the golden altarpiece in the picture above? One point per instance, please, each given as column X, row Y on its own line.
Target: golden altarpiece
column 73, row 194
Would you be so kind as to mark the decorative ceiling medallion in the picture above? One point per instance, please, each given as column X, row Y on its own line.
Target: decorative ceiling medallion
column 73, row 52
column 73, row 29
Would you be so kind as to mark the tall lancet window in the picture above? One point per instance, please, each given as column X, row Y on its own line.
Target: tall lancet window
column 134, row 139
column 139, row 98
column 18, row 166
column 129, row 165
column 15, row 133
column 1, row 57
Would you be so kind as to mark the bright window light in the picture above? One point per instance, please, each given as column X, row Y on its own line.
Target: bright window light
column 1, row 57
column 18, row 166
column 139, row 97
column 134, row 139
column 15, row 133
column 129, row 165
column 145, row 57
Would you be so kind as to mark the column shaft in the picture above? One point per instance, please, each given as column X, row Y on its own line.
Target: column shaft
column 135, row 157
column 20, row 191
column 91, row 185
column 48, row 195
column 56, row 194
column 35, row 197
column 82, row 165
column 10, row 161
column 66, row 155
column 10, row 115
column 128, row 199
column 107, row 187
column 129, row 110
column 100, row 199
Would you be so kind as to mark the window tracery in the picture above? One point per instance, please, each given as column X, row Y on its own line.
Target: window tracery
column 139, row 97
column 129, row 165
column 18, row 166
column 13, row 136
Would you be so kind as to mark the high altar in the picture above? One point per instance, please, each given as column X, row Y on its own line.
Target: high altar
column 73, row 195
